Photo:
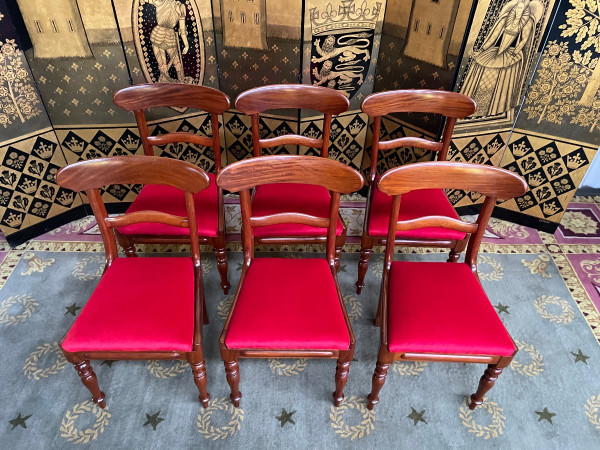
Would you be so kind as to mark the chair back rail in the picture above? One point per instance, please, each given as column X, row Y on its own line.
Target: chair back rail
column 89, row 176
column 493, row 182
column 249, row 173
column 330, row 174
column 451, row 105
column 291, row 96
column 138, row 98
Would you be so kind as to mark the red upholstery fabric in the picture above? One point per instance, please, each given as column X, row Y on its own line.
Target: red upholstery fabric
column 420, row 203
column 291, row 197
column 170, row 200
column 288, row 304
column 442, row 308
column 140, row 304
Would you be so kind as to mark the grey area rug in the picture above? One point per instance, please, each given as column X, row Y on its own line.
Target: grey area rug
column 548, row 398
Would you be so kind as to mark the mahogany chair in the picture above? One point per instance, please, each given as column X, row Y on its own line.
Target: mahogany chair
column 209, row 202
column 142, row 308
column 288, row 308
column 278, row 198
column 418, row 203
column 438, row 311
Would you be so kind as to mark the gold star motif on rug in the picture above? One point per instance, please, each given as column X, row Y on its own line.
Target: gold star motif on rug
column 286, row 417
column 545, row 415
column 502, row 308
column 416, row 417
column 153, row 420
column 19, row 421
column 72, row 309
column 579, row 356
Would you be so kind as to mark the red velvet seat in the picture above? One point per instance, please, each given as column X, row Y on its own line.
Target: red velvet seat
column 288, row 304
column 140, row 304
column 291, row 197
column 442, row 308
column 414, row 204
column 170, row 200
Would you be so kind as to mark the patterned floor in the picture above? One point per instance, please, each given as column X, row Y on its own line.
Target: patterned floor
column 546, row 289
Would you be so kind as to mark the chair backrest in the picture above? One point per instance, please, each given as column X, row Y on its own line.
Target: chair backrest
column 91, row 175
column 247, row 174
column 291, row 96
column 493, row 182
column 451, row 105
column 140, row 97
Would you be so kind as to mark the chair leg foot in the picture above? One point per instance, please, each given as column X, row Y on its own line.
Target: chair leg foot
column 341, row 376
column 381, row 370
column 363, row 265
column 199, row 371
column 222, row 267
column 232, row 373
column 486, row 382
column 89, row 380
column 338, row 258
column 454, row 256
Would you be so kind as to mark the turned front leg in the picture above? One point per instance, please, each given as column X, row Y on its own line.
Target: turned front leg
column 199, row 371
column 89, row 380
column 221, row 255
column 363, row 265
column 381, row 370
column 486, row 382
column 232, row 373
column 341, row 377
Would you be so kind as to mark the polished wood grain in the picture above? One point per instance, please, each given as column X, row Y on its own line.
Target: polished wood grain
column 294, row 96
column 138, row 99
column 446, row 103
column 144, row 96
column 452, row 106
column 253, row 172
column 96, row 173
column 90, row 176
column 291, row 96
column 245, row 175
column 486, row 180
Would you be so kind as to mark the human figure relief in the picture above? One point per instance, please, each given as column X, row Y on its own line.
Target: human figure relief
column 164, row 39
column 497, row 72
column 349, row 49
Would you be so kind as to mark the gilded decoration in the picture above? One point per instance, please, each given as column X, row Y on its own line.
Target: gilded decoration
column 19, row 100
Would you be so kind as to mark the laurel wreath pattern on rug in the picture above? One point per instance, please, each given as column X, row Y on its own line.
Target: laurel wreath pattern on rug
column 377, row 267
column 79, row 271
column 538, row 265
column 496, row 426
column 284, row 368
column 156, row 368
column 209, row 431
column 535, row 367
column 592, row 406
column 224, row 306
column 35, row 263
column 409, row 368
column 496, row 273
column 72, row 434
column 566, row 316
column 353, row 307
column 207, row 266
column 353, row 432
column 29, row 306
column 33, row 372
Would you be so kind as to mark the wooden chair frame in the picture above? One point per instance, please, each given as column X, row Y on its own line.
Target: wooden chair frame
column 141, row 97
column 247, row 174
column 89, row 176
column 494, row 183
column 294, row 96
column 452, row 106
